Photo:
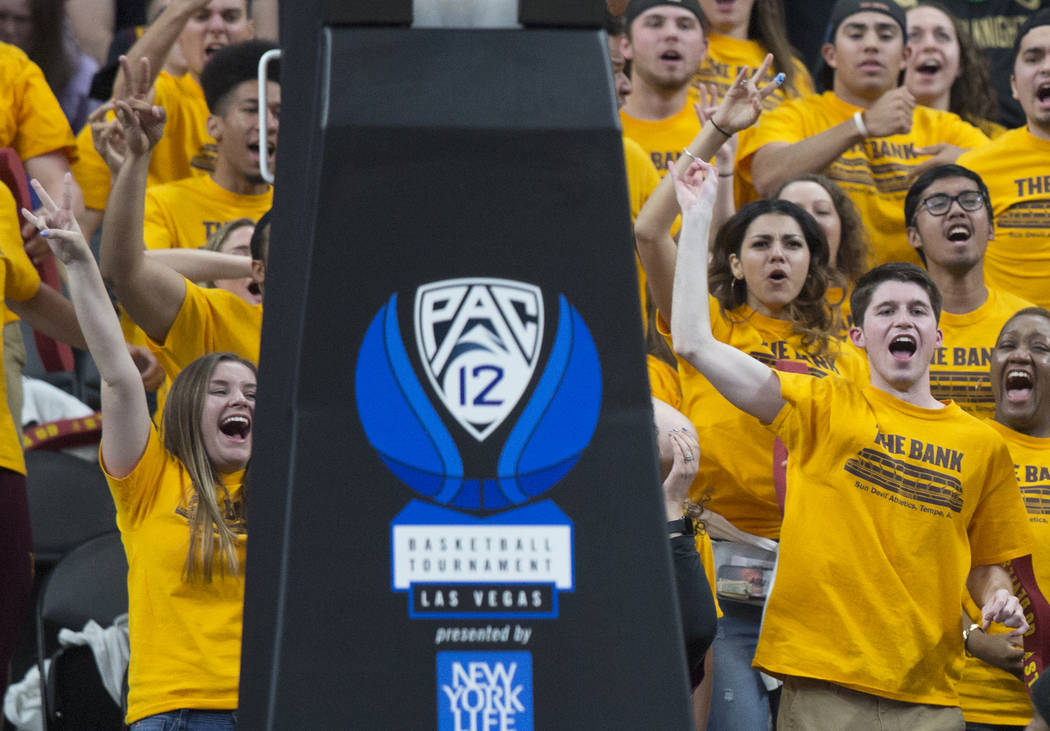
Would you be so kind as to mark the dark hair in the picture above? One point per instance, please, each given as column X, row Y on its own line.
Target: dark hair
column 1037, row 311
column 928, row 178
column 768, row 27
column 1036, row 19
column 810, row 314
column 614, row 25
column 637, row 7
column 260, row 242
column 972, row 96
column 842, row 10
column 852, row 259
column 231, row 66
column 894, row 271
column 47, row 43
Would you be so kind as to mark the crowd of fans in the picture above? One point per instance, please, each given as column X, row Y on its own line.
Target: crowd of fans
column 847, row 330
column 845, row 247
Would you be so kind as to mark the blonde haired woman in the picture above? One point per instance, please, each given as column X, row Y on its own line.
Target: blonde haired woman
column 179, row 494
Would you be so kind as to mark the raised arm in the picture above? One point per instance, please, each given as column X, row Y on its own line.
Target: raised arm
column 150, row 292
column 652, row 230
column 742, row 380
column 125, row 416
column 158, row 40
column 203, row 265
column 777, row 162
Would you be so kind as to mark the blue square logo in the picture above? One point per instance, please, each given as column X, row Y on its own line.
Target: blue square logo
column 484, row 691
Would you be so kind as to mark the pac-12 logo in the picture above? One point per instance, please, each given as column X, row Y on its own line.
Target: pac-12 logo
column 479, row 343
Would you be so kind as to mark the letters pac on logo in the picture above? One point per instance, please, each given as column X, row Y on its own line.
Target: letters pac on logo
column 479, row 343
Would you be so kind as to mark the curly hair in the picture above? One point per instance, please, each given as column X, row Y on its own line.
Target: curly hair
column 852, row 258
column 810, row 314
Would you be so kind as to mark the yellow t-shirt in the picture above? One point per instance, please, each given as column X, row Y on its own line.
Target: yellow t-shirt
column 185, row 637
column 642, row 180
column 663, row 381
column 1013, row 166
column 873, row 173
column 209, row 321
column 185, row 149
column 31, row 119
column 739, row 481
column 725, row 57
column 987, row 694
column 20, row 281
column 888, row 507
column 665, row 139
column 959, row 370
column 182, row 214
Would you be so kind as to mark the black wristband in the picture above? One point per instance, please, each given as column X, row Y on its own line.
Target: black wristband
column 683, row 525
column 713, row 122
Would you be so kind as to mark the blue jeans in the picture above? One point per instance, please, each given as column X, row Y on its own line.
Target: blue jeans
column 188, row 719
column 739, row 701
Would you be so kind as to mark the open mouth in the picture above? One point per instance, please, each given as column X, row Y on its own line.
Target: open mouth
column 212, row 48
column 254, row 148
column 1018, row 385
column 903, row 347
column 959, row 232
column 236, row 426
column 670, row 55
column 777, row 276
column 1042, row 92
column 928, row 67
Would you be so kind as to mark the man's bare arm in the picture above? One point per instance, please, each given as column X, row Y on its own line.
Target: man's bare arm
column 777, row 162
column 991, row 588
column 203, row 265
column 156, row 43
column 151, row 293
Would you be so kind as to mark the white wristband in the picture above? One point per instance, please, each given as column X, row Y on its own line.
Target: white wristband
column 858, row 120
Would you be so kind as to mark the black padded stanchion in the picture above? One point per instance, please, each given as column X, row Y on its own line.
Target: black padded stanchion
column 455, row 509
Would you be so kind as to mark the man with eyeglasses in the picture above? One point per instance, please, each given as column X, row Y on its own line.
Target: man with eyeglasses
column 1015, row 166
column 949, row 215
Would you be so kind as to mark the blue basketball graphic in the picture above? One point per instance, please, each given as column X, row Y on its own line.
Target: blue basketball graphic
column 409, row 429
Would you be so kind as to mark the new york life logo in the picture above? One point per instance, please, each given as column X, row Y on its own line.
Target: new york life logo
column 484, row 691
column 506, row 416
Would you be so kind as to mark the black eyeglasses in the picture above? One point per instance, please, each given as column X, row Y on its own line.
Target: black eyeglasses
column 939, row 203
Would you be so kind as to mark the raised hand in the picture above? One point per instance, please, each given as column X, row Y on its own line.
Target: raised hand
column 891, row 114
column 697, row 186
column 58, row 224
column 108, row 137
column 743, row 100
column 684, row 468
column 142, row 123
column 942, row 153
